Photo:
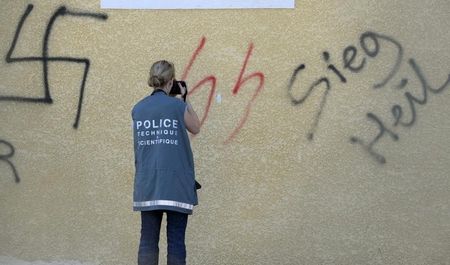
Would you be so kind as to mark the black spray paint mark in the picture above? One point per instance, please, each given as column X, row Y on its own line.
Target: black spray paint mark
column 45, row 59
column 397, row 110
column 302, row 99
column 371, row 44
column 382, row 131
column 325, row 81
column 375, row 37
column 5, row 158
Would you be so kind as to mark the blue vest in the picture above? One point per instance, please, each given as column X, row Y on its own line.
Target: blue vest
column 165, row 177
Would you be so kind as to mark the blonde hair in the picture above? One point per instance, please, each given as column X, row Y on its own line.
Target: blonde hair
column 161, row 73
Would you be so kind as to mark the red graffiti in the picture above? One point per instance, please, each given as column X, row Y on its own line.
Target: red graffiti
column 240, row 82
column 211, row 80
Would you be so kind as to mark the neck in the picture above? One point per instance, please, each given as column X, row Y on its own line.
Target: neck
column 159, row 90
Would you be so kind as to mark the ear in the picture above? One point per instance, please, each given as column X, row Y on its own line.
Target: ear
column 169, row 84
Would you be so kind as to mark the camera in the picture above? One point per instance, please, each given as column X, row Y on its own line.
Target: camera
column 175, row 90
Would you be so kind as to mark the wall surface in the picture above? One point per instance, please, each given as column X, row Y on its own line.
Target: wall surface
column 324, row 137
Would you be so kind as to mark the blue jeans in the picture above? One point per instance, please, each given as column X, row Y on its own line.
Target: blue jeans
column 176, row 229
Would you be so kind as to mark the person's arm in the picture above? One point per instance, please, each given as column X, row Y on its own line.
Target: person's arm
column 190, row 116
column 191, row 119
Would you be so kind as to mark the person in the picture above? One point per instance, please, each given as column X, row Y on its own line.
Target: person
column 165, row 177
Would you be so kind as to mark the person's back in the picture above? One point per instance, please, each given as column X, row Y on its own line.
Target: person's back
column 164, row 160
column 165, row 176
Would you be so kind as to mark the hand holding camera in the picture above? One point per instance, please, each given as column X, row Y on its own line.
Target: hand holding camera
column 179, row 88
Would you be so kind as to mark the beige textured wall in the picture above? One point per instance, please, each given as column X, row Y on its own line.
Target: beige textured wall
column 271, row 194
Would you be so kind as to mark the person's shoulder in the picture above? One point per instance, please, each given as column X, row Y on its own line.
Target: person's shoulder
column 176, row 101
column 140, row 103
column 144, row 100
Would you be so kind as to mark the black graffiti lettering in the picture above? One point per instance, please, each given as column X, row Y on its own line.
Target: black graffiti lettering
column 382, row 130
column 9, row 59
column 402, row 84
column 5, row 158
column 375, row 37
column 291, row 84
column 326, row 57
column 363, row 42
column 397, row 112
column 45, row 58
column 413, row 101
column 424, row 81
column 348, row 56
column 307, row 94
column 372, row 44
